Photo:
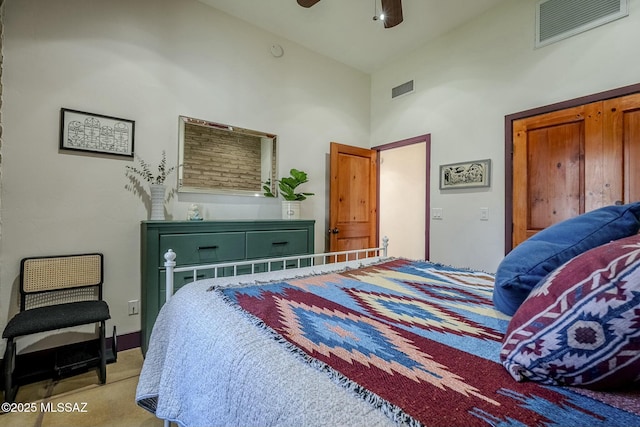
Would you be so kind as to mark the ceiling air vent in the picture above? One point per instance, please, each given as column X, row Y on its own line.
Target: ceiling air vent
column 560, row 19
column 402, row 89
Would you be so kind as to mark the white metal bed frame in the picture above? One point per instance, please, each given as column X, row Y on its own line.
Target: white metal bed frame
column 314, row 259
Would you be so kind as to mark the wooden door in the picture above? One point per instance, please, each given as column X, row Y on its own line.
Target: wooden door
column 353, row 210
column 622, row 125
column 549, row 168
column 572, row 161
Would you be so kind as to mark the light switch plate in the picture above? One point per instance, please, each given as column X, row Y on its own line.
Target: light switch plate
column 484, row 214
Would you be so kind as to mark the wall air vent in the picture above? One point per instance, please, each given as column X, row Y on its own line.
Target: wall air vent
column 403, row 89
column 560, row 19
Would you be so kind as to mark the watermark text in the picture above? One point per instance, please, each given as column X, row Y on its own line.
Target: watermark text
column 49, row 407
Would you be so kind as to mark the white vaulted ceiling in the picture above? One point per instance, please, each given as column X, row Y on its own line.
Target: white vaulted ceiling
column 345, row 29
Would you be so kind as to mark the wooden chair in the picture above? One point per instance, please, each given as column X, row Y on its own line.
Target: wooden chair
column 57, row 292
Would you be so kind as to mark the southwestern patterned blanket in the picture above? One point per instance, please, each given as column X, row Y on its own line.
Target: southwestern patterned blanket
column 421, row 342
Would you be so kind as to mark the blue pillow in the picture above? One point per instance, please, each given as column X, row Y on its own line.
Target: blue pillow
column 533, row 259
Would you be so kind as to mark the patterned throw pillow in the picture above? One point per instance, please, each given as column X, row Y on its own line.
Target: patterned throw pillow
column 580, row 326
column 531, row 261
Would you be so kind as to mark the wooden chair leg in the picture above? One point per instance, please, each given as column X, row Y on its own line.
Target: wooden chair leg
column 10, row 390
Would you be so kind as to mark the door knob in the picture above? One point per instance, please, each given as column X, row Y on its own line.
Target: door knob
column 334, row 231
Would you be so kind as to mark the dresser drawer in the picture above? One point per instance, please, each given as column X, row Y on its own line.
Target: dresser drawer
column 272, row 244
column 203, row 248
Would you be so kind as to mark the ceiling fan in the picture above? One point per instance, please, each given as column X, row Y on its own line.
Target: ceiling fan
column 392, row 10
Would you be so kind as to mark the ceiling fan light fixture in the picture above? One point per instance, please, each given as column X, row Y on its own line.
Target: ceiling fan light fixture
column 393, row 12
column 377, row 16
column 391, row 18
column 307, row 3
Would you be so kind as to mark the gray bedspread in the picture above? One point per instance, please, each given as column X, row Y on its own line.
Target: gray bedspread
column 208, row 365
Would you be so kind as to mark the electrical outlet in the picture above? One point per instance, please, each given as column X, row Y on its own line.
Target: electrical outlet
column 134, row 307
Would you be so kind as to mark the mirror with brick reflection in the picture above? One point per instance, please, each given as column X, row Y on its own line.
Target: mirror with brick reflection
column 224, row 159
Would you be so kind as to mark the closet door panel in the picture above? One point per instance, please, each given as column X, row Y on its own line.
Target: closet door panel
column 597, row 186
column 622, row 131
column 549, row 169
column 632, row 157
column 555, row 169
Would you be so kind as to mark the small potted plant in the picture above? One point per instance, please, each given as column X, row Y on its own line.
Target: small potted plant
column 287, row 186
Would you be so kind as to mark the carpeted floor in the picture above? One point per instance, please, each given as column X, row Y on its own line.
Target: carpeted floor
column 81, row 401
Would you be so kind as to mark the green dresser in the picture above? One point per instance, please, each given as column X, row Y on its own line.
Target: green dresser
column 208, row 242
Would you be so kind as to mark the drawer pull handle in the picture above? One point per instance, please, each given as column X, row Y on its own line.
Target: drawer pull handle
column 279, row 243
column 204, row 248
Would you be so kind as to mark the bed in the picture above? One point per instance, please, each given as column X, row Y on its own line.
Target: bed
column 369, row 341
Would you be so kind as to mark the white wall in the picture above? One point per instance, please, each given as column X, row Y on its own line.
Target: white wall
column 149, row 61
column 466, row 82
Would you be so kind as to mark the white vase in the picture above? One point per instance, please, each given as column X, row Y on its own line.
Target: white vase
column 291, row 209
column 157, row 202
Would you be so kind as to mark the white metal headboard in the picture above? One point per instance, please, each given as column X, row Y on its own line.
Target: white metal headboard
column 313, row 259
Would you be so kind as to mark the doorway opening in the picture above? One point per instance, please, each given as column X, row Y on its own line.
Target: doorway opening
column 403, row 195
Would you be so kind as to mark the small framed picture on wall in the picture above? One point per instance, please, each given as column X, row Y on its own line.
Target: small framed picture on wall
column 465, row 174
column 82, row 131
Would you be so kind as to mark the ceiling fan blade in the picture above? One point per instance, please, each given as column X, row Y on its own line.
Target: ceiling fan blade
column 307, row 3
column 392, row 12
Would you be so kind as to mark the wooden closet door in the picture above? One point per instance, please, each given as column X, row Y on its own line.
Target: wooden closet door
column 558, row 168
column 622, row 127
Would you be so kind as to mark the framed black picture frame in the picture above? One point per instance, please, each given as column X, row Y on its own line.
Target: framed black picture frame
column 473, row 174
column 97, row 133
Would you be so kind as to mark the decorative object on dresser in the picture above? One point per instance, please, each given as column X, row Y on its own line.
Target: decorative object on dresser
column 204, row 242
column 80, row 131
column 287, row 186
column 156, row 184
column 194, row 213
